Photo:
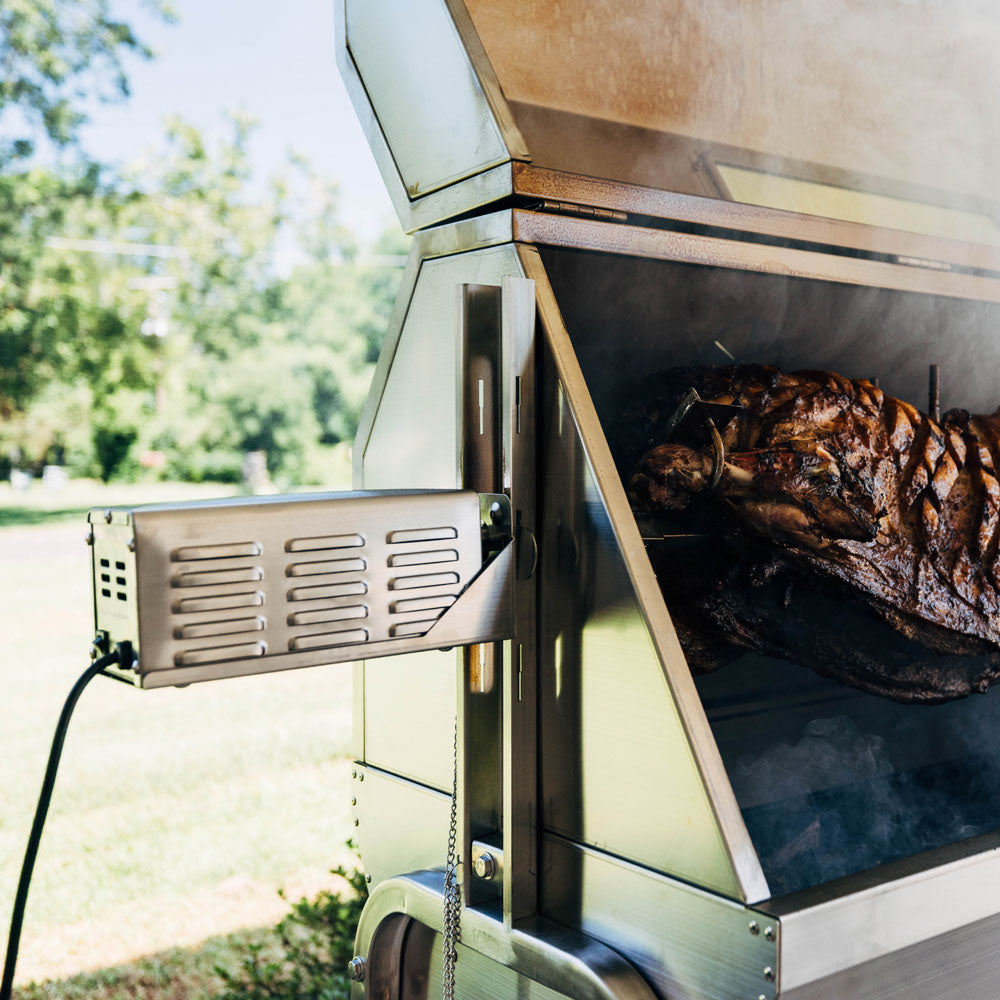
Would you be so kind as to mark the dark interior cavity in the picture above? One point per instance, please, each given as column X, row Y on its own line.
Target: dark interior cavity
column 830, row 780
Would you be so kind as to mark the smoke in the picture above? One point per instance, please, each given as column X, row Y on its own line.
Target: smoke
column 869, row 785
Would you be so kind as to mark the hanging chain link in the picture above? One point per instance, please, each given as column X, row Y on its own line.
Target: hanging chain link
column 452, row 889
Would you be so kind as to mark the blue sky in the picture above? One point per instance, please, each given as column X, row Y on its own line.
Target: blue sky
column 272, row 58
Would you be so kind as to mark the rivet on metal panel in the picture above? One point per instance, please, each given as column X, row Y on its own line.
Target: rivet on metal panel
column 762, row 996
column 354, row 774
column 131, row 545
column 361, row 775
column 356, row 969
column 769, row 933
column 769, row 973
column 357, row 822
column 90, row 537
column 354, row 800
column 368, row 878
column 754, row 928
column 108, row 515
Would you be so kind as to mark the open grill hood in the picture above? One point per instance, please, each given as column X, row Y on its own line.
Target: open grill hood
column 671, row 111
column 630, row 770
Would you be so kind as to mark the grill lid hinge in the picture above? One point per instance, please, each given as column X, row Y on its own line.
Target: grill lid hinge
column 591, row 211
column 934, row 265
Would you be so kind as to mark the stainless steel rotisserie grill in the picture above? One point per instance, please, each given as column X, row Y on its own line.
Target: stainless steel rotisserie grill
column 624, row 829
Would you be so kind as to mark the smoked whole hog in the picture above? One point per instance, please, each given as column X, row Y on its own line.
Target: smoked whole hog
column 847, row 531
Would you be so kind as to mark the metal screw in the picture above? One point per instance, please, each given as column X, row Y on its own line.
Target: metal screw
column 357, row 822
column 769, row 933
column 356, row 969
column 108, row 515
column 368, row 878
column 361, row 775
column 90, row 537
column 754, row 928
column 769, row 973
column 354, row 774
column 762, row 996
column 354, row 800
column 131, row 545
column 485, row 866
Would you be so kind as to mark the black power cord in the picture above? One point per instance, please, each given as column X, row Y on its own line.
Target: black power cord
column 122, row 655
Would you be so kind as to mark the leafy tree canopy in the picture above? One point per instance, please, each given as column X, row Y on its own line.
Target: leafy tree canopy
column 53, row 54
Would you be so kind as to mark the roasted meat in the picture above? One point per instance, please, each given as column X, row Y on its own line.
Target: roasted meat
column 847, row 531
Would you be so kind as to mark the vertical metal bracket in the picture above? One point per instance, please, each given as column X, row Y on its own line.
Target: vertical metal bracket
column 479, row 422
column 520, row 708
column 497, row 696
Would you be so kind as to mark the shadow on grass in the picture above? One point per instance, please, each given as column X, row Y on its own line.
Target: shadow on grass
column 175, row 974
column 11, row 517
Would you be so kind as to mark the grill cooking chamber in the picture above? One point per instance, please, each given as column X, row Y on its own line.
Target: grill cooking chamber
column 756, row 832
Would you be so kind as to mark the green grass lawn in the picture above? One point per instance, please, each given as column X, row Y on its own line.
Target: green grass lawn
column 177, row 813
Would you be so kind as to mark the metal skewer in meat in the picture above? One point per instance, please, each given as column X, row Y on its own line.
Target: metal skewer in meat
column 859, row 536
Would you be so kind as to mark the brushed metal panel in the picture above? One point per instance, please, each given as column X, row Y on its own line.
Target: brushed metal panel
column 424, row 91
column 478, row 977
column 689, row 943
column 612, row 737
column 413, row 438
column 899, row 905
column 961, row 965
column 624, row 723
column 409, row 709
column 402, row 826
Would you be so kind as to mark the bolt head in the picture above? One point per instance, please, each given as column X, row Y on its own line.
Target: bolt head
column 485, row 866
column 769, row 933
column 356, row 968
column 754, row 928
column 769, row 974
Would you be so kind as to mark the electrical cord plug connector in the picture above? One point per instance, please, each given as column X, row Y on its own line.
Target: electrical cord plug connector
column 121, row 656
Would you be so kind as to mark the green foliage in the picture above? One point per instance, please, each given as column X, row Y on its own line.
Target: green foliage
column 180, row 360
column 53, row 53
column 253, row 359
column 308, row 958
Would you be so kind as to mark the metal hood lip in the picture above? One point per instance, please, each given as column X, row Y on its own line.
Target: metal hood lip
column 659, row 207
column 589, row 234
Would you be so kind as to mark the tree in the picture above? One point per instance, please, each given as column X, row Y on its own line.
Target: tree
column 53, row 53
column 257, row 357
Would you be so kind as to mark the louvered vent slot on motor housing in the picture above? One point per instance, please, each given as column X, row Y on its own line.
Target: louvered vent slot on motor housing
column 327, row 593
column 218, row 606
column 422, row 584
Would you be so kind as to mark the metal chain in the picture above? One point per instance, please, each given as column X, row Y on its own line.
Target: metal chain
column 452, row 888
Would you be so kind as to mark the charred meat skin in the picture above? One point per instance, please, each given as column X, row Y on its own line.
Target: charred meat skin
column 842, row 492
